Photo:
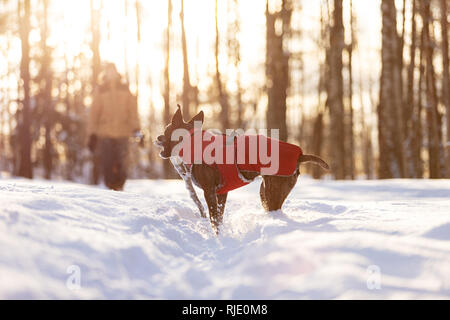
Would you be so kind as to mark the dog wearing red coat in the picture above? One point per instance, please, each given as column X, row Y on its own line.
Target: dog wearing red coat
column 219, row 164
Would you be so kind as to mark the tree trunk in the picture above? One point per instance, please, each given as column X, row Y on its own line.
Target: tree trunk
column 95, row 44
column 25, row 165
column 350, row 135
column 446, row 76
column 125, row 41
column 187, row 88
column 336, row 94
column 277, row 67
column 390, row 131
column 317, row 142
column 47, row 94
column 167, row 117
column 234, row 53
column 138, row 39
column 433, row 116
column 3, row 104
column 96, row 69
column 418, row 122
column 365, row 135
column 223, row 96
column 410, row 107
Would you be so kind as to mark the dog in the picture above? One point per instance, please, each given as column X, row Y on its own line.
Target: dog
column 217, row 178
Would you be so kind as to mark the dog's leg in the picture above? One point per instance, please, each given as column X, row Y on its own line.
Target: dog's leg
column 185, row 175
column 221, row 202
column 262, row 194
column 214, row 216
column 194, row 197
column 209, row 179
column 275, row 190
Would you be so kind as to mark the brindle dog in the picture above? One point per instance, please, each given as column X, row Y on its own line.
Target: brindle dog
column 274, row 189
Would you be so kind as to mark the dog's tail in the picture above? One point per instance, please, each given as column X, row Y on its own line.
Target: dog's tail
column 313, row 159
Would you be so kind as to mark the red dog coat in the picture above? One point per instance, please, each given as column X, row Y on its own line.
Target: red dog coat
column 250, row 153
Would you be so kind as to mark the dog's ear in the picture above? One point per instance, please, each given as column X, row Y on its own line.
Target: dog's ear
column 177, row 119
column 198, row 118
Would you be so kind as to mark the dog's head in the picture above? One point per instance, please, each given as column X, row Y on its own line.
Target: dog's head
column 166, row 141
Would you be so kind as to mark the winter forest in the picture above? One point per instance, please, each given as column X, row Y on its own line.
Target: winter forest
column 364, row 84
column 89, row 95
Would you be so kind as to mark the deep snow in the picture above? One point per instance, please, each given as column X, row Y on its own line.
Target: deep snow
column 344, row 240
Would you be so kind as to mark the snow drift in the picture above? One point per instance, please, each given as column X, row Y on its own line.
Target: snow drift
column 334, row 240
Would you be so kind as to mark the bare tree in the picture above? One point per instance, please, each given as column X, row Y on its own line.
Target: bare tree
column 47, row 76
column 234, row 54
column 417, row 144
column 223, row 95
column 25, row 165
column 350, row 136
column 166, row 116
column 96, row 69
column 410, row 107
column 390, row 131
column 434, row 119
column 187, row 88
column 336, row 94
column 445, row 75
column 137, row 6
column 125, row 41
column 277, row 66
column 317, row 136
column 95, row 44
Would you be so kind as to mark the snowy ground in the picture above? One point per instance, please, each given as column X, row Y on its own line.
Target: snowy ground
column 334, row 240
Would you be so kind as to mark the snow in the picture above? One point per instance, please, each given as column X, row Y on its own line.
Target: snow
column 333, row 240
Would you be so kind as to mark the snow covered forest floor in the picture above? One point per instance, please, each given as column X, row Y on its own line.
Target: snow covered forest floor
column 333, row 240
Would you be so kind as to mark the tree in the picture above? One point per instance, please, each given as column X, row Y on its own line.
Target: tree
column 138, row 38
column 187, row 88
column 445, row 74
column 95, row 44
column 336, row 94
column 317, row 136
column 46, row 75
column 234, row 55
column 277, row 66
column 222, row 92
column 96, row 68
column 125, row 41
column 411, row 110
column 166, row 116
column 390, row 131
column 434, row 119
column 25, row 165
column 350, row 136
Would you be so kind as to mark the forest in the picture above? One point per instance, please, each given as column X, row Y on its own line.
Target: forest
column 364, row 84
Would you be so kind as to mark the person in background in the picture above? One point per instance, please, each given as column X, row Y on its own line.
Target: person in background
column 113, row 119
